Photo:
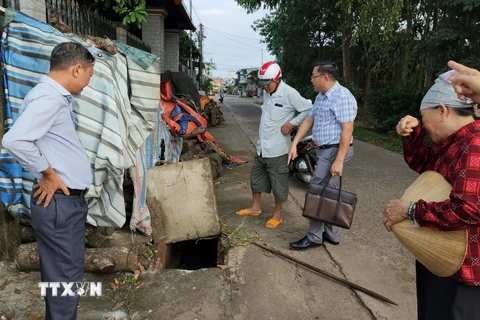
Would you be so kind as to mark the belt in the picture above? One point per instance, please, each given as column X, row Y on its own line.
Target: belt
column 73, row 192
column 336, row 145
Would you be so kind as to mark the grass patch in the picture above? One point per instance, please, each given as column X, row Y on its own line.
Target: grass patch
column 232, row 236
column 130, row 280
column 390, row 142
column 258, row 102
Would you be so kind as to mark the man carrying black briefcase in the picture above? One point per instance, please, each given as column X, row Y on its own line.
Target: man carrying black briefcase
column 331, row 118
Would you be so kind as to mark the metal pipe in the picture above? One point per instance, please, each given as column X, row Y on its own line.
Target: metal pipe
column 329, row 275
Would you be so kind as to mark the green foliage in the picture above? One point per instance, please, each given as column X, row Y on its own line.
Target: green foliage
column 229, row 89
column 390, row 51
column 253, row 5
column 233, row 237
column 208, row 82
column 132, row 11
column 185, row 43
column 209, row 67
column 208, row 86
column 392, row 102
column 391, row 142
column 130, row 280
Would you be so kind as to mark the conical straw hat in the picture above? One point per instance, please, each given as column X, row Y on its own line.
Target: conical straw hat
column 441, row 252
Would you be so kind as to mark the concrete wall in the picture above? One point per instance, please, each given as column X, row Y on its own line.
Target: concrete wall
column 122, row 34
column 34, row 8
column 153, row 33
column 172, row 54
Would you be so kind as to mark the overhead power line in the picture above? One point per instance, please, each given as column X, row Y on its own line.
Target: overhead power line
column 246, row 44
column 196, row 14
column 237, row 59
column 234, row 55
column 233, row 65
column 231, row 34
column 234, row 48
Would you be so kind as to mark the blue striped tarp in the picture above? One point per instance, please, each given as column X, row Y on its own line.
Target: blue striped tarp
column 115, row 114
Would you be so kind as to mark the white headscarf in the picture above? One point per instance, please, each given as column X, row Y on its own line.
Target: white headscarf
column 442, row 92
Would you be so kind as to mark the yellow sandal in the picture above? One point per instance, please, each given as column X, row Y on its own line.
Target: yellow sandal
column 272, row 223
column 247, row 212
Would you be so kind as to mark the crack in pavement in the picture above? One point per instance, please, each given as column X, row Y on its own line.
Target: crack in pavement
column 298, row 276
column 355, row 292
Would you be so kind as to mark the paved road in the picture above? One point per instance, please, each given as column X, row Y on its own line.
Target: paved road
column 368, row 255
column 257, row 285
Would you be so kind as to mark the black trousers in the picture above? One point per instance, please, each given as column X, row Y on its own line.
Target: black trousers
column 445, row 298
column 60, row 230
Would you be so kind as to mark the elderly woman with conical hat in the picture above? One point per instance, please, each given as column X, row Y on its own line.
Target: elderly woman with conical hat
column 455, row 153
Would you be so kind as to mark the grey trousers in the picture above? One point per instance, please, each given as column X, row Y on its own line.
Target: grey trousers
column 60, row 230
column 326, row 157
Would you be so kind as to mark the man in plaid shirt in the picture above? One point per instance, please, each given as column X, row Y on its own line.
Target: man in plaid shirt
column 331, row 118
column 451, row 123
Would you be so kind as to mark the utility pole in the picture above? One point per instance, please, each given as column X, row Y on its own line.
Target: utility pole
column 191, row 46
column 200, row 44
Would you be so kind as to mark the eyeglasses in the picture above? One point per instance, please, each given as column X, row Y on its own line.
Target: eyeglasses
column 313, row 77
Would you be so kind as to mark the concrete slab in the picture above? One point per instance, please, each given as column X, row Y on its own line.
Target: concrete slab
column 181, row 201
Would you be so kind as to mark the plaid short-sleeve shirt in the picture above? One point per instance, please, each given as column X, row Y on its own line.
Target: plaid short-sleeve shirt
column 329, row 111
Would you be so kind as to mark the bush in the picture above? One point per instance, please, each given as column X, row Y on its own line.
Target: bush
column 391, row 103
column 208, row 86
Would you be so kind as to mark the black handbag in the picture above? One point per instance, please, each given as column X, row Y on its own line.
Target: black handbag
column 329, row 205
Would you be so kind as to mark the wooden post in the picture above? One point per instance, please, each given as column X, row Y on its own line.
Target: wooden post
column 10, row 234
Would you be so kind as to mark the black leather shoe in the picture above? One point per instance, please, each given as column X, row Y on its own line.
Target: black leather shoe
column 326, row 238
column 304, row 243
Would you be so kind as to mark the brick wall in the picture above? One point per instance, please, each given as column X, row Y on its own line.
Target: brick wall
column 153, row 33
column 171, row 51
column 34, row 8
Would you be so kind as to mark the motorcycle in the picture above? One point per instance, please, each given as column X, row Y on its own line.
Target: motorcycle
column 303, row 166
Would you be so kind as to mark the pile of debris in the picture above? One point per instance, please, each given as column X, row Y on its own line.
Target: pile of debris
column 211, row 111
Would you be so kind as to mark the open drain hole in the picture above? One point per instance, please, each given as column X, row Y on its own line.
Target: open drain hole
column 196, row 254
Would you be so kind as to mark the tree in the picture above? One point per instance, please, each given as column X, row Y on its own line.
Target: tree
column 208, row 83
column 185, row 44
column 131, row 12
column 389, row 51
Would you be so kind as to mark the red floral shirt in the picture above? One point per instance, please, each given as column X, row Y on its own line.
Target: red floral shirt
column 457, row 158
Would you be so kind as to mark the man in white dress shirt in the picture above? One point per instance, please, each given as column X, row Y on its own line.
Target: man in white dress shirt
column 44, row 141
column 283, row 109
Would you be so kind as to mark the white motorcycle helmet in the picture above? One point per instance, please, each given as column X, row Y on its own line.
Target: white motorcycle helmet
column 270, row 71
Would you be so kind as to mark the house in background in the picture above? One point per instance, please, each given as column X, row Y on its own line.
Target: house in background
column 247, row 82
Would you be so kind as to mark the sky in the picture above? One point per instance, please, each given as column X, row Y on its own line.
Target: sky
column 231, row 42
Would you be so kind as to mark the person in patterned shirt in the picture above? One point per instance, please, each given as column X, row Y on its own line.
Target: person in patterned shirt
column 455, row 153
column 331, row 121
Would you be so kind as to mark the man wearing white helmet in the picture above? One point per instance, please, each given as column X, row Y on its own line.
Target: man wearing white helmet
column 270, row 170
